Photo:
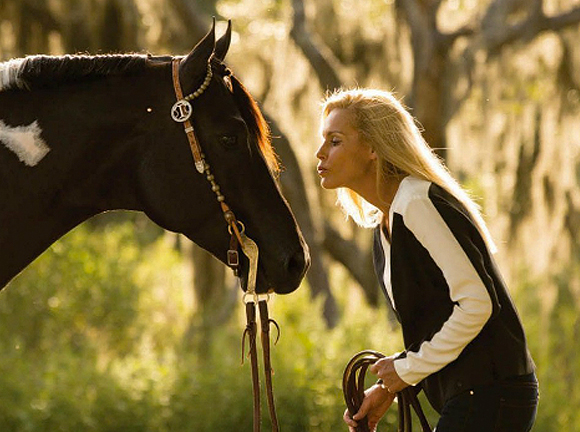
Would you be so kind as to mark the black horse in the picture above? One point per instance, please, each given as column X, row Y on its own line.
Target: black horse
column 80, row 135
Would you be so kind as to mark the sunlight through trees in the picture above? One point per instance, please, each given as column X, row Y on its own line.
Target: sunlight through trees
column 88, row 333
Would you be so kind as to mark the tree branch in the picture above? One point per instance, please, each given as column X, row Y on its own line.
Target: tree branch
column 193, row 19
column 424, row 36
column 562, row 21
column 536, row 23
column 436, row 5
column 41, row 14
column 448, row 39
column 417, row 20
column 323, row 61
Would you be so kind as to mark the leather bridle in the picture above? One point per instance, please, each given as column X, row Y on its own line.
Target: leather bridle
column 181, row 112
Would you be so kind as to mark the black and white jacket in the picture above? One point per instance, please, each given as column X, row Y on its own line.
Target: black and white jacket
column 460, row 326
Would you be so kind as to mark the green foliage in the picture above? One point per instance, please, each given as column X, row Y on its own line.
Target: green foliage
column 68, row 291
column 308, row 363
column 83, row 336
column 91, row 339
column 63, row 391
column 553, row 330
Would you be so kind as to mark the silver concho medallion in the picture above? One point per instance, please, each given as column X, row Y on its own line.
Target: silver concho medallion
column 181, row 111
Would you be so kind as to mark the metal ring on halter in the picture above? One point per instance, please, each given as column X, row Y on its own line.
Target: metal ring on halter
column 241, row 227
column 255, row 295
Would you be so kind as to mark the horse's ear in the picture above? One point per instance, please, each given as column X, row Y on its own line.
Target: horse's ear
column 195, row 64
column 223, row 43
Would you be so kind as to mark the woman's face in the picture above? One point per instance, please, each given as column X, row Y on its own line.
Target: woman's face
column 344, row 161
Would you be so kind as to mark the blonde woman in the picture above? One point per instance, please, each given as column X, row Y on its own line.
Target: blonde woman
column 464, row 343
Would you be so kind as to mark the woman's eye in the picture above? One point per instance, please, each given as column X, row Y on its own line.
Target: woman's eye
column 335, row 141
column 228, row 141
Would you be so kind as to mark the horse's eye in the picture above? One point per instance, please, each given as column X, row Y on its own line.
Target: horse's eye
column 228, row 141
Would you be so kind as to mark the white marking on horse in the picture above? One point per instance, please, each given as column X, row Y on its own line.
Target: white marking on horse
column 10, row 74
column 25, row 141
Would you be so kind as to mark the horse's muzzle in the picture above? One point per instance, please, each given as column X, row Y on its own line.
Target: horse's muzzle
column 282, row 279
column 288, row 277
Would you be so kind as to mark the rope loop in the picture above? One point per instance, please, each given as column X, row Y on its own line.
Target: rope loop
column 353, row 390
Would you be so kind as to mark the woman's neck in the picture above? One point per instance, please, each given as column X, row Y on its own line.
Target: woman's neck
column 381, row 197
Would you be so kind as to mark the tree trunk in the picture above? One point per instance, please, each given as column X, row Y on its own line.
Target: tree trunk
column 214, row 300
column 428, row 101
column 295, row 191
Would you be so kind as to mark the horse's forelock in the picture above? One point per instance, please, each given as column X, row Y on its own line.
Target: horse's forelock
column 257, row 125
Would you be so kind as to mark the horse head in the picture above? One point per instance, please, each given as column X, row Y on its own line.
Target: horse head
column 234, row 140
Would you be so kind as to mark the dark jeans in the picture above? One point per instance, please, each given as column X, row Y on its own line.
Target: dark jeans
column 506, row 406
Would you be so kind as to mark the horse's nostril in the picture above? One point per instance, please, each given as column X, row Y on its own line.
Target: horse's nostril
column 286, row 277
column 297, row 264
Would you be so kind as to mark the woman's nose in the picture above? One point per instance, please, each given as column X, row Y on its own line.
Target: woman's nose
column 320, row 152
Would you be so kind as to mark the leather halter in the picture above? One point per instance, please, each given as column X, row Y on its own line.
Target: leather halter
column 181, row 112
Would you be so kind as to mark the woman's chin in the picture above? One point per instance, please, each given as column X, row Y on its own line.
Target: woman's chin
column 327, row 184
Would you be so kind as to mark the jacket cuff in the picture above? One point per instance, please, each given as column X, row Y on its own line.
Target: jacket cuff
column 403, row 370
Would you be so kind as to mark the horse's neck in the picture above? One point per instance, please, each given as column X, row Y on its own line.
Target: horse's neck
column 81, row 175
column 24, row 239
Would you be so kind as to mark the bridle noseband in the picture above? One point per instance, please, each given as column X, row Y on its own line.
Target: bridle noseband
column 181, row 112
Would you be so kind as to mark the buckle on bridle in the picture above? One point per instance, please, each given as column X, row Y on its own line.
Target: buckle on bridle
column 233, row 258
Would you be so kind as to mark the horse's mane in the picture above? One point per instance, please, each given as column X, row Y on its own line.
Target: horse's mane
column 257, row 125
column 42, row 71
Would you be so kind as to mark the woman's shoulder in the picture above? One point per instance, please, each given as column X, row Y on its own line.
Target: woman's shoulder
column 418, row 194
column 414, row 188
column 411, row 189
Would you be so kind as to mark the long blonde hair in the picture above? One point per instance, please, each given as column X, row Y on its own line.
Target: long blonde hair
column 388, row 128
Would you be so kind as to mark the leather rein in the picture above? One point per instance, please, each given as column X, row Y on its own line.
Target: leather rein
column 353, row 387
column 181, row 112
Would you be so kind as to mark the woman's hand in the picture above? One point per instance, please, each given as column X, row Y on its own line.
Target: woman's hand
column 385, row 369
column 375, row 404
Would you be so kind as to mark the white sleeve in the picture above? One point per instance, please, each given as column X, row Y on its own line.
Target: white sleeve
column 473, row 305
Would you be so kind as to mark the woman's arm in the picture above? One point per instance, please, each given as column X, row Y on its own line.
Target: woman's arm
column 473, row 304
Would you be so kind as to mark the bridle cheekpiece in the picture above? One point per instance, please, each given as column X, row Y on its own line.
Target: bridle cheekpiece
column 181, row 111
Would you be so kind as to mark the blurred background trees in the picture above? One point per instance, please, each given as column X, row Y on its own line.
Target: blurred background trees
column 104, row 322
